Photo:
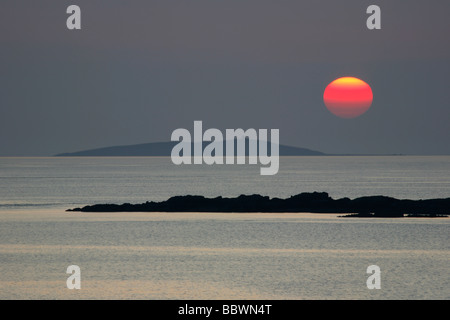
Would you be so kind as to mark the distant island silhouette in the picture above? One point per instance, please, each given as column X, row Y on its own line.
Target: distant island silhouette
column 155, row 149
column 316, row 202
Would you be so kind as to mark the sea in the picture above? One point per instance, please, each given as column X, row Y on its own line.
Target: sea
column 246, row 256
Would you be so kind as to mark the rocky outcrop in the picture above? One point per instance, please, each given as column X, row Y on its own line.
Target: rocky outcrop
column 316, row 202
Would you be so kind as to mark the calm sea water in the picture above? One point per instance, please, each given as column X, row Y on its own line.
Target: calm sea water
column 65, row 182
column 217, row 255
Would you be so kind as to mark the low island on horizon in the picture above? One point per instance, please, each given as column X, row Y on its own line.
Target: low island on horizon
column 315, row 202
column 164, row 149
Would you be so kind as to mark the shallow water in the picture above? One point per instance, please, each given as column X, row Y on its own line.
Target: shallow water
column 217, row 255
column 221, row 256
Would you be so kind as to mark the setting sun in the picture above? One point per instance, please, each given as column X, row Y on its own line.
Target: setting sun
column 348, row 97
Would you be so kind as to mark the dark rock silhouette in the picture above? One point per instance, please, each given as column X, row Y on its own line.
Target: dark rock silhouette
column 316, row 202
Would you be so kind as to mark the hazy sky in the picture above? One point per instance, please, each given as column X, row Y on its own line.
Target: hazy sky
column 137, row 70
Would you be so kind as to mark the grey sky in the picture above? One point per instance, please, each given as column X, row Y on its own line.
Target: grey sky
column 140, row 69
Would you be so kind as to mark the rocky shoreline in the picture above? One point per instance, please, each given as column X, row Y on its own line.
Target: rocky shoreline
column 315, row 202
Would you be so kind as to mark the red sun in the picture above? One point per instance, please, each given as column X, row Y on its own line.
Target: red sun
column 348, row 97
